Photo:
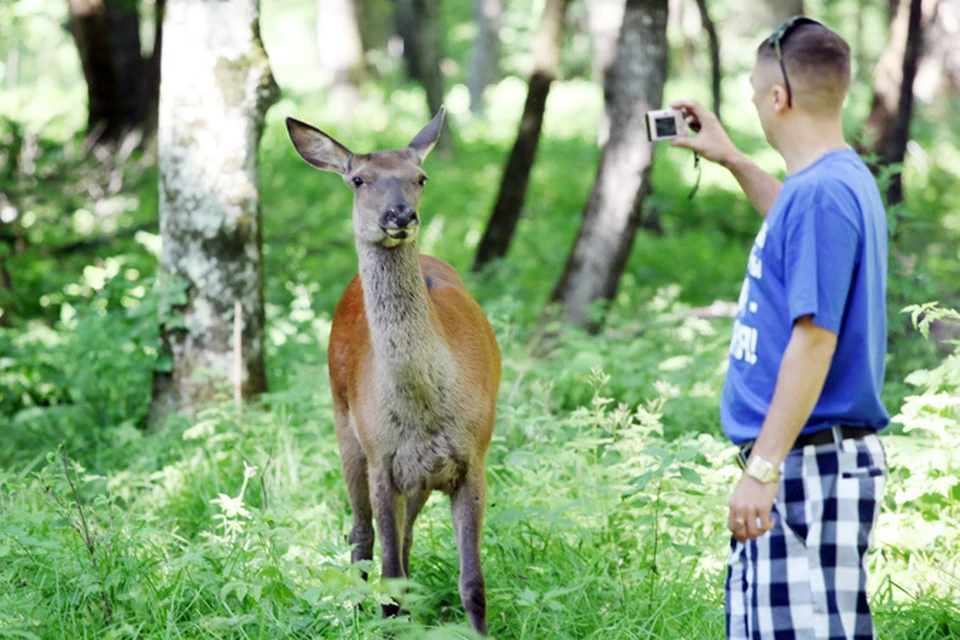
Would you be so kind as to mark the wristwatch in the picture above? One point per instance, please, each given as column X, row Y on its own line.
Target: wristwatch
column 761, row 470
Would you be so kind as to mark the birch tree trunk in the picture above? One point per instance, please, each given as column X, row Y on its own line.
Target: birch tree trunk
column 940, row 68
column 780, row 10
column 340, row 49
column 604, row 19
column 216, row 87
column 516, row 174
column 633, row 86
column 485, row 57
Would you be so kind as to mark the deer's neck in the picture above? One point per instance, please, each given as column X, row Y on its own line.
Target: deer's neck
column 403, row 326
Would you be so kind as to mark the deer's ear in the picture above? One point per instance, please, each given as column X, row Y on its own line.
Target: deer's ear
column 318, row 148
column 424, row 141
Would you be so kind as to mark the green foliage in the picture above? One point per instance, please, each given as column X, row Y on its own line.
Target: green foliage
column 602, row 522
column 608, row 475
column 235, row 528
column 924, row 496
column 86, row 380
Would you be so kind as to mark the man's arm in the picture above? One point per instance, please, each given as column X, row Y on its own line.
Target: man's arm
column 803, row 371
column 713, row 143
column 760, row 186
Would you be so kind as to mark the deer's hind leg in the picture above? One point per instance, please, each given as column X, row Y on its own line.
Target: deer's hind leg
column 354, row 463
column 415, row 503
column 467, row 504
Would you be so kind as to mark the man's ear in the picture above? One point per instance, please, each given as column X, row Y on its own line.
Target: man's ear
column 779, row 98
column 318, row 148
column 424, row 141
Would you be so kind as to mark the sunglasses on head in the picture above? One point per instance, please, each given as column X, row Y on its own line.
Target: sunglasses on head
column 776, row 40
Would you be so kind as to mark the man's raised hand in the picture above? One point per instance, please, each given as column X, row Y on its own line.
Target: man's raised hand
column 711, row 141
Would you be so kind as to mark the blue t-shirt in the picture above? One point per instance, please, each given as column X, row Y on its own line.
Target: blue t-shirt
column 821, row 251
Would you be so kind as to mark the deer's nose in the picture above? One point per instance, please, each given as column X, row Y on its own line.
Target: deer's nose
column 400, row 216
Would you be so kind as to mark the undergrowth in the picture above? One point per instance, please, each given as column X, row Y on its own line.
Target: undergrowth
column 604, row 519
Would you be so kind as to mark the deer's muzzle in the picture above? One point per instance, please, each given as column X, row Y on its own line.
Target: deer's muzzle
column 400, row 216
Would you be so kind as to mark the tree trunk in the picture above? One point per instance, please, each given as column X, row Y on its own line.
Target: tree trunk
column 876, row 136
column 604, row 18
column 780, row 10
column 418, row 23
column 406, row 26
column 430, row 54
column 633, row 87
column 516, row 174
column 485, row 59
column 901, row 124
column 941, row 51
column 714, row 54
column 216, row 89
column 341, row 53
column 107, row 35
column 859, row 48
column 152, row 72
column 375, row 23
column 12, row 76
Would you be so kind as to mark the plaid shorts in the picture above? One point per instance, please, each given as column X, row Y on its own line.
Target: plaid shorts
column 807, row 577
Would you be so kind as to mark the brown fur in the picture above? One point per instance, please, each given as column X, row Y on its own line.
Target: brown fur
column 414, row 368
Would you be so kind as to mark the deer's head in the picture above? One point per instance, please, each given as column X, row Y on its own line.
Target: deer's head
column 387, row 185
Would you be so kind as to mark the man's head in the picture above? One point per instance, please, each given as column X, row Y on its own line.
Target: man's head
column 811, row 82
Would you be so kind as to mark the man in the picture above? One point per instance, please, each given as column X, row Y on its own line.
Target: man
column 802, row 395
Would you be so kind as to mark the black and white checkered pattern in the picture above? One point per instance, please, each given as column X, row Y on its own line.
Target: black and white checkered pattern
column 806, row 578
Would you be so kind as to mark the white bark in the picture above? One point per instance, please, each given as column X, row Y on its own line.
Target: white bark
column 340, row 49
column 604, row 18
column 216, row 87
column 939, row 70
column 485, row 58
column 634, row 85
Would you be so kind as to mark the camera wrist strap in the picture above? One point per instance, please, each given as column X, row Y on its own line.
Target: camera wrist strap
column 696, row 185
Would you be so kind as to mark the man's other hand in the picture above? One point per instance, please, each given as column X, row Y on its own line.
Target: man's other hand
column 711, row 141
column 750, row 508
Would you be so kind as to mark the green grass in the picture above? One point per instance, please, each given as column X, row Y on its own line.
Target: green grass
column 608, row 474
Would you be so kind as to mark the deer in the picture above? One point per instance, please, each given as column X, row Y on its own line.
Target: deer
column 414, row 367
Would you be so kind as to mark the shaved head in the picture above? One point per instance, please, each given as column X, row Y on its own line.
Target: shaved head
column 818, row 66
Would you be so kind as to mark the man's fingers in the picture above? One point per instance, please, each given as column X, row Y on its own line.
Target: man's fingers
column 762, row 522
column 692, row 106
column 753, row 531
column 750, row 525
column 739, row 533
column 738, row 526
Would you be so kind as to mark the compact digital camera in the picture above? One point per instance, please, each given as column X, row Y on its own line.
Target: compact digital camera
column 665, row 124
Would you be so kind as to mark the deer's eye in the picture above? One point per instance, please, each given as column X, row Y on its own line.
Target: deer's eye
column 422, row 180
column 357, row 181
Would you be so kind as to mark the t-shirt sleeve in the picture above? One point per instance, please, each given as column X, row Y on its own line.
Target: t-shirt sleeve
column 821, row 252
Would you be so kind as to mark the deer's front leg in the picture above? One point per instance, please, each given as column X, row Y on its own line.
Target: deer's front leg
column 467, row 506
column 389, row 509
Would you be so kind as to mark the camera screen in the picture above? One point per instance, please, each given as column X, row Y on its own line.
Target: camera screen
column 666, row 127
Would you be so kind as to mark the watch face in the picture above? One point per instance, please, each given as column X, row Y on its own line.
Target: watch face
column 762, row 471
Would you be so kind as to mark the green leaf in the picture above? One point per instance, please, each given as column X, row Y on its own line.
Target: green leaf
column 690, row 475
